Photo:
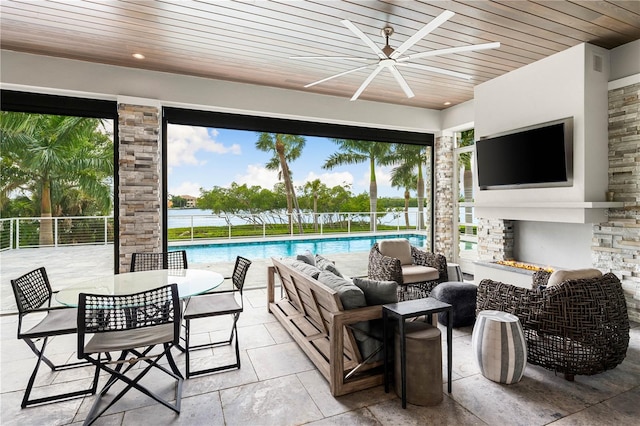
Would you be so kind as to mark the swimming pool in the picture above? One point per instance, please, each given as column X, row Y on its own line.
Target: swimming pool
column 227, row 252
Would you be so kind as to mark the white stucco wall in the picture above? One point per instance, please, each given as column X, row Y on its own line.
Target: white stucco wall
column 625, row 60
column 553, row 88
column 44, row 74
column 459, row 117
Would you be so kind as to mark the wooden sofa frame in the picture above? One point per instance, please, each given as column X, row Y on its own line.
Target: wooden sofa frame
column 313, row 315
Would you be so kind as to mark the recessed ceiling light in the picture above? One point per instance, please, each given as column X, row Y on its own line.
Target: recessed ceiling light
column 138, row 55
column 447, row 103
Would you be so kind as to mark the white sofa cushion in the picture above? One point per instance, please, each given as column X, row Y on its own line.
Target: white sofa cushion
column 398, row 248
column 418, row 273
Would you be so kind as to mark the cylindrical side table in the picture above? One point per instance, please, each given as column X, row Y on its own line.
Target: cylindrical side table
column 499, row 346
column 423, row 348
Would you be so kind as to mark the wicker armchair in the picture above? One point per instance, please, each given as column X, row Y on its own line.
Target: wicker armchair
column 410, row 285
column 578, row 327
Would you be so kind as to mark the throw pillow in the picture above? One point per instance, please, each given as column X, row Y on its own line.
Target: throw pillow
column 305, row 268
column 350, row 295
column 307, row 257
column 327, row 265
column 377, row 292
column 577, row 274
column 321, row 261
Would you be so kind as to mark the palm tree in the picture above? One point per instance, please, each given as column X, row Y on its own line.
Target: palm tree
column 51, row 154
column 355, row 152
column 314, row 188
column 285, row 148
column 404, row 177
column 412, row 158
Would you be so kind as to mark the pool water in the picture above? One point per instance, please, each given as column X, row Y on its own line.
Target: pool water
column 227, row 252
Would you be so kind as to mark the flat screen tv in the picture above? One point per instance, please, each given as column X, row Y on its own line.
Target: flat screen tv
column 532, row 157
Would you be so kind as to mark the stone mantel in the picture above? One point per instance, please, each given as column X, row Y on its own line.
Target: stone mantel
column 563, row 212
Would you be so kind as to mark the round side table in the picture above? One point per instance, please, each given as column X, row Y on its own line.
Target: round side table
column 499, row 346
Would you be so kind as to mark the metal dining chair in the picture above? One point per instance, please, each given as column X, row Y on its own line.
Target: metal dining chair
column 132, row 324
column 33, row 295
column 216, row 304
column 161, row 260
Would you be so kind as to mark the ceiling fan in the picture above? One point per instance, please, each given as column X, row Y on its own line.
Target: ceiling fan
column 390, row 58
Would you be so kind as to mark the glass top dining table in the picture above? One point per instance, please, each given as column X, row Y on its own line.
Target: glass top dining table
column 190, row 282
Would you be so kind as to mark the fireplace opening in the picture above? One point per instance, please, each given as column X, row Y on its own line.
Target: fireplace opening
column 524, row 265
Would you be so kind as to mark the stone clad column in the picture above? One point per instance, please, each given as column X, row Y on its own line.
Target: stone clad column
column 139, row 178
column 444, row 189
column 616, row 242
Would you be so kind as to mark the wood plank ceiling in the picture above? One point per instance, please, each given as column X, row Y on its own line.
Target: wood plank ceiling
column 252, row 41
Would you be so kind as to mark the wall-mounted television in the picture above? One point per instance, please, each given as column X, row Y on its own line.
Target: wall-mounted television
column 533, row 157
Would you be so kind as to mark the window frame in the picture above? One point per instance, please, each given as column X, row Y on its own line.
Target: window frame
column 40, row 103
column 182, row 116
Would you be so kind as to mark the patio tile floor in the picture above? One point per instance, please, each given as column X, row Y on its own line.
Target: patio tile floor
column 278, row 385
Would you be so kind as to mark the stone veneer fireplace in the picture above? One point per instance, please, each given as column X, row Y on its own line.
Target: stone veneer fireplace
column 615, row 239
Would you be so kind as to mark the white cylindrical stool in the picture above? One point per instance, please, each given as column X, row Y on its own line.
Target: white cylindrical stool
column 499, row 346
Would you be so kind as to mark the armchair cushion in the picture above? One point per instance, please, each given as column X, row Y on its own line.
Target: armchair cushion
column 418, row 274
column 562, row 275
column 398, row 248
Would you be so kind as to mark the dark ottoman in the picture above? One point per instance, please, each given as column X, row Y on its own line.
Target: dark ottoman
column 462, row 296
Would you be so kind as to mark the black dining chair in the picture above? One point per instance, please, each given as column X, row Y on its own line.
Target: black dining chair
column 33, row 296
column 226, row 302
column 160, row 260
column 134, row 325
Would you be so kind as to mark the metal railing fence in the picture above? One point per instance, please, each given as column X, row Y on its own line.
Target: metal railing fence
column 28, row 232
column 195, row 227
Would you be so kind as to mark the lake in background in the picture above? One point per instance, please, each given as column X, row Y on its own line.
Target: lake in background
column 181, row 218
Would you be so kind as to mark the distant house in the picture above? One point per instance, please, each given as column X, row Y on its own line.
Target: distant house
column 191, row 201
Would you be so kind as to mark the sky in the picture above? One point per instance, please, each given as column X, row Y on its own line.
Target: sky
column 200, row 157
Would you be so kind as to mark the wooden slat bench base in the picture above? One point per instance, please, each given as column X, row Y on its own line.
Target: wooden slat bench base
column 312, row 314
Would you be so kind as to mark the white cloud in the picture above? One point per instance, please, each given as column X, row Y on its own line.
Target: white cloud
column 329, row 179
column 383, row 179
column 257, row 175
column 186, row 188
column 184, row 142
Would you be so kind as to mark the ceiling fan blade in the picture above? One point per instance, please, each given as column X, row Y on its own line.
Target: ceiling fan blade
column 436, row 70
column 437, row 52
column 332, row 58
column 366, row 82
column 338, row 75
column 362, row 36
column 435, row 23
column 401, row 81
